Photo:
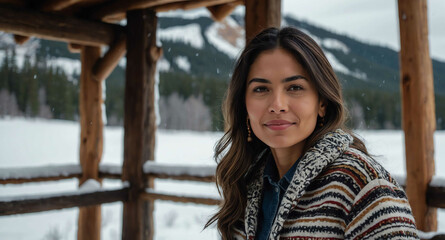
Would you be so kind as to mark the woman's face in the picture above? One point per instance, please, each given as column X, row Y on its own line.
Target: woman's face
column 281, row 100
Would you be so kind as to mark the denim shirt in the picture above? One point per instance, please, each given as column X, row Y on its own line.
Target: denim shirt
column 273, row 191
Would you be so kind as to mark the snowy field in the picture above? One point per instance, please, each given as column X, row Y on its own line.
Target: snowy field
column 27, row 143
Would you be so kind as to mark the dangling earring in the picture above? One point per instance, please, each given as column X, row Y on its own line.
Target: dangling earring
column 249, row 138
column 321, row 124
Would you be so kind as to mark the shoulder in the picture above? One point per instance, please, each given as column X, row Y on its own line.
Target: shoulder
column 360, row 168
column 378, row 200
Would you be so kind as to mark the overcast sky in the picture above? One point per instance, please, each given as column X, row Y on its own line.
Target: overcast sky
column 373, row 21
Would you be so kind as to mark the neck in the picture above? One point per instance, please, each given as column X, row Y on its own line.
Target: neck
column 286, row 157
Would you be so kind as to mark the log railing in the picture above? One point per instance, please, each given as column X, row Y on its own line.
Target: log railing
column 40, row 203
column 435, row 192
column 79, row 198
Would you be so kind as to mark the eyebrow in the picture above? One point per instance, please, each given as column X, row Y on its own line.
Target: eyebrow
column 288, row 79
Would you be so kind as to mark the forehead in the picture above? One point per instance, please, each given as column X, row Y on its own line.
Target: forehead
column 276, row 63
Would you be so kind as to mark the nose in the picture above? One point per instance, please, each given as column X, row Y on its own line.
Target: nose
column 278, row 103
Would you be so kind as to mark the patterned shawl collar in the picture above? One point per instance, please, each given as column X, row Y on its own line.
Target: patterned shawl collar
column 324, row 152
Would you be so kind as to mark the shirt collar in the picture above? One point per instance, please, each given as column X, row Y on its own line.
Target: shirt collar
column 271, row 172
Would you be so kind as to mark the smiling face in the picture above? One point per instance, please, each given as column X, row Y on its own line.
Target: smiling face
column 281, row 100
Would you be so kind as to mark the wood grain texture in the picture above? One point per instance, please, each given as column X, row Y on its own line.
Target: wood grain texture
column 116, row 8
column 139, row 121
column 105, row 65
column 418, row 109
column 50, row 26
column 57, row 5
column 184, row 177
column 90, row 111
column 261, row 14
column 91, row 137
column 221, row 11
column 187, row 5
column 39, row 179
column 52, row 202
column 182, row 199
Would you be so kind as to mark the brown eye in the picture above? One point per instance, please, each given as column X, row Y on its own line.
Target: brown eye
column 295, row 88
column 260, row 89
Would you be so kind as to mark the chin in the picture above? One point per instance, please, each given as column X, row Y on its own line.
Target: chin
column 280, row 143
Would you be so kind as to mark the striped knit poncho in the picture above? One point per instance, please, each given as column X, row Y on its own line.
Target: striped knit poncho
column 336, row 193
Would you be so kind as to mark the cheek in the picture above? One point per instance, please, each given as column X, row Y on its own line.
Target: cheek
column 252, row 108
column 306, row 109
column 255, row 111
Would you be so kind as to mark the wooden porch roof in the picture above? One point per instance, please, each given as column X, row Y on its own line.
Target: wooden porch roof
column 89, row 22
column 115, row 10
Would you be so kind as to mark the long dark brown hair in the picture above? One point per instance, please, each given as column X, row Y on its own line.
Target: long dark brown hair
column 233, row 153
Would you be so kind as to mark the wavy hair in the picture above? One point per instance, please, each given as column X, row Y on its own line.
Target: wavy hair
column 233, row 153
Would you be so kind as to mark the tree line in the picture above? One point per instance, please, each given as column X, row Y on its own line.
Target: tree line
column 36, row 90
column 186, row 101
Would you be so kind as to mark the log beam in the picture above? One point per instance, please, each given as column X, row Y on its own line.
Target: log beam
column 187, row 5
column 16, row 3
column 50, row 26
column 418, row 110
column 55, row 202
column 74, row 48
column 183, row 177
column 105, row 65
column 57, row 5
column 39, row 179
column 435, row 196
column 116, row 8
column 219, row 12
column 91, row 136
column 261, row 14
column 139, row 121
column 19, row 39
column 152, row 195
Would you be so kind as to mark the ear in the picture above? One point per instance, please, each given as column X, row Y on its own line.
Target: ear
column 322, row 108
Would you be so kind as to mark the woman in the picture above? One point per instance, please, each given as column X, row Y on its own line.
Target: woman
column 288, row 167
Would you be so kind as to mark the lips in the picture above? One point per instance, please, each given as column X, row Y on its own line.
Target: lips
column 278, row 125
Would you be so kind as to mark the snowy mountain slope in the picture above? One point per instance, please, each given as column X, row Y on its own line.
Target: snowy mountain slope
column 198, row 58
column 205, row 43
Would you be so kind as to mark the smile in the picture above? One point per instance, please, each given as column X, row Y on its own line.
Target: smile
column 278, row 125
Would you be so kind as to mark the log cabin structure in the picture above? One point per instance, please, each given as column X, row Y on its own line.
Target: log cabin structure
column 87, row 25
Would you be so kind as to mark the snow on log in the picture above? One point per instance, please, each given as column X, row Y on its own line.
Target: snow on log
column 180, row 172
column 431, row 235
column 435, row 193
column 110, row 171
column 151, row 194
column 37, row 174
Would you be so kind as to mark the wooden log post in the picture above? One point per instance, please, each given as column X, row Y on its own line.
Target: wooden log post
column 91, row 139
column 103, row 68
column 139, row 121
column 261, row 14
column 19, row 39
column 419, row 124
column 74, row 48
column 219, row 12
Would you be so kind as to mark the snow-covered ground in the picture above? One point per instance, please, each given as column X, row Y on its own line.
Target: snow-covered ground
column 27, row 143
